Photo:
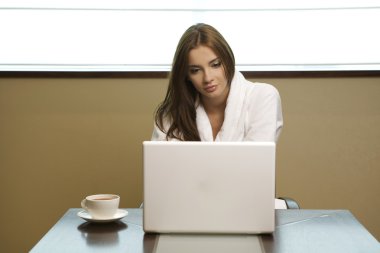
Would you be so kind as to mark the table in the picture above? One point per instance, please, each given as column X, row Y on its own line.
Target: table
column 296, row 231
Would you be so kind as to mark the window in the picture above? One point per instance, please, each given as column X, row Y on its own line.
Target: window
column 116, row 35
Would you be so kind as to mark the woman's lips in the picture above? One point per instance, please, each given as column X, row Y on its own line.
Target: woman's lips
column 210, row 88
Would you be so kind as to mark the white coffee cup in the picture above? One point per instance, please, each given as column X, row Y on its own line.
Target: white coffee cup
column 101, row 206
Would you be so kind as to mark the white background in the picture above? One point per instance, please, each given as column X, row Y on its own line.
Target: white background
column 128, row 36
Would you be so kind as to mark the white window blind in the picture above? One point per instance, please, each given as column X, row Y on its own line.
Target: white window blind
column 115, row 35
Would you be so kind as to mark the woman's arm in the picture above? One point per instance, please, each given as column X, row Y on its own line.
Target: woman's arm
column 264, row 121
column 157, row 134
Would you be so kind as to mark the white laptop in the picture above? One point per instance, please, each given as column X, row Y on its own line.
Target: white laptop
column 209, row 187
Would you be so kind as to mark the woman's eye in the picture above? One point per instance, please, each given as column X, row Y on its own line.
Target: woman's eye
column 194, row 70
column 216, row 64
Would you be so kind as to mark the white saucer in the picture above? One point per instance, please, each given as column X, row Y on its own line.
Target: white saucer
column 120, row 213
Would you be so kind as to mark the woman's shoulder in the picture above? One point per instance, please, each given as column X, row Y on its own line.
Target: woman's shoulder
column 256, row 87
column 262, row 89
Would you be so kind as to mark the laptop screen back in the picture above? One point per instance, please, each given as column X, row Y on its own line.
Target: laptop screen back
column 209, row 187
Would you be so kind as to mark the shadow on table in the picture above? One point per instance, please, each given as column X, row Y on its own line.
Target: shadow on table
column 164, row 243
column 101, row 234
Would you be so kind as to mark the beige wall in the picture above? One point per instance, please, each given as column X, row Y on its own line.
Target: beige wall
column 61, row 139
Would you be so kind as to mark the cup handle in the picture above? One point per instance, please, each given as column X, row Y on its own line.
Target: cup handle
column 83, row 204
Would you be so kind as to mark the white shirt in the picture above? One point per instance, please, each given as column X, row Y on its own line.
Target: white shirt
column 253, row 113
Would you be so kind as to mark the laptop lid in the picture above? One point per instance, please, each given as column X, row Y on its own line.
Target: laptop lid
column 209, row 187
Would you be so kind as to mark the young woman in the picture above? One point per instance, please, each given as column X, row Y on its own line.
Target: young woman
column 207, row 100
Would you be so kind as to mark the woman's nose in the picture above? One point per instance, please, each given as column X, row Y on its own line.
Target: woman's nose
column 207, row 77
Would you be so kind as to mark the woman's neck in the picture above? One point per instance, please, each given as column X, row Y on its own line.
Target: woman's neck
column 211, row 106
column 215, row 108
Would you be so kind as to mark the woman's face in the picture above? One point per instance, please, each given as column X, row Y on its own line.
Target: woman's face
column 206, row 73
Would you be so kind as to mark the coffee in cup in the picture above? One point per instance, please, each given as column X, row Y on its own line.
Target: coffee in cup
column 101, row 206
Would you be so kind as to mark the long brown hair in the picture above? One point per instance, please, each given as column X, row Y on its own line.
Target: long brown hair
column 178, row 108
